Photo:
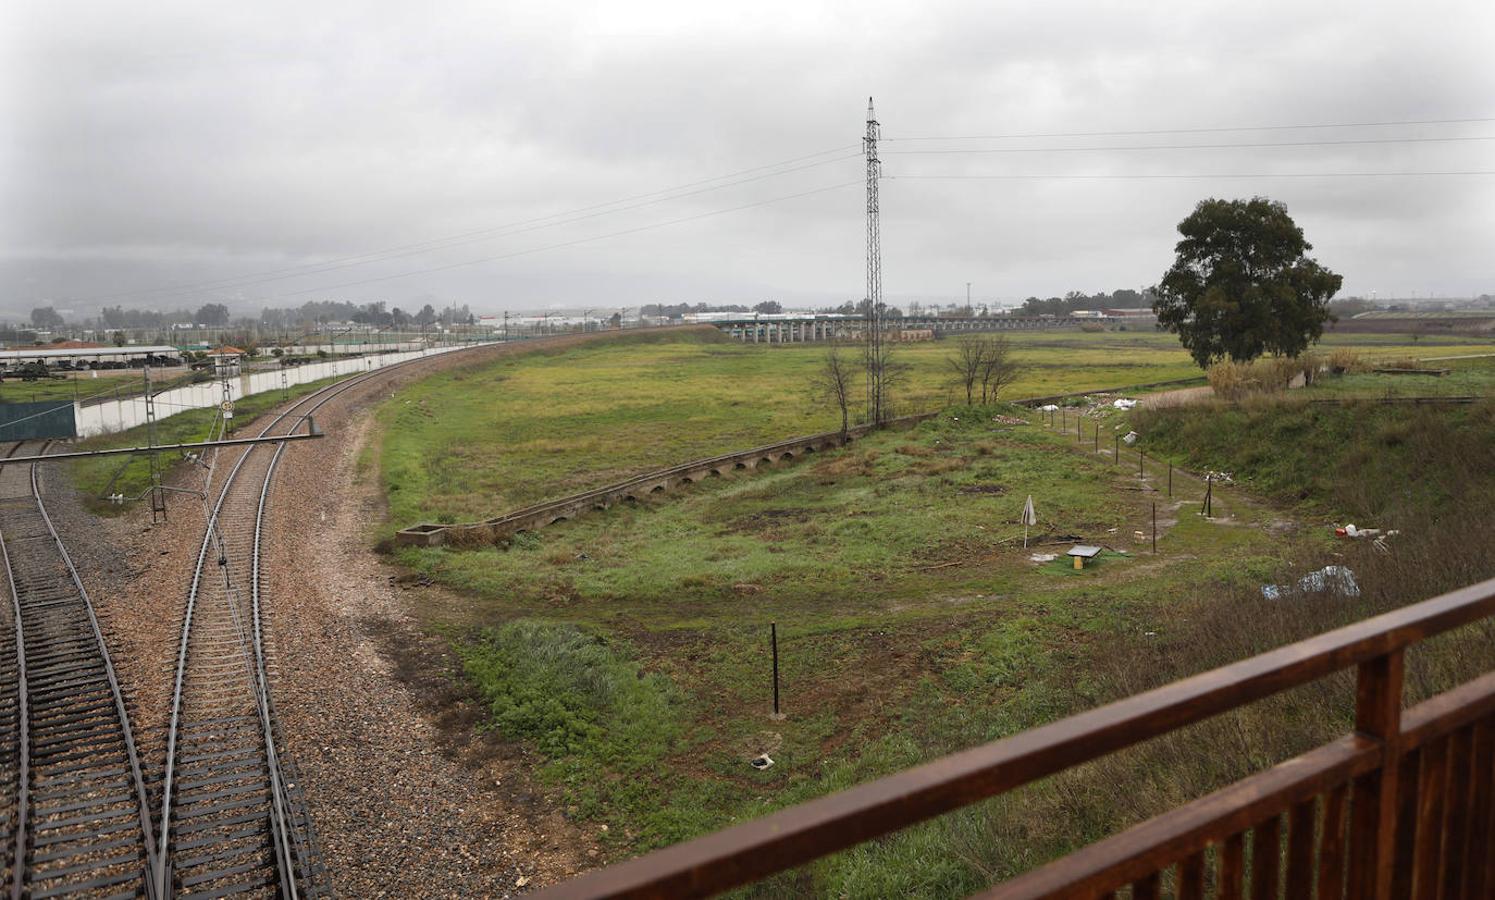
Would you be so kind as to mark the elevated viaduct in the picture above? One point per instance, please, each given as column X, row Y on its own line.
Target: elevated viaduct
column 808, row 329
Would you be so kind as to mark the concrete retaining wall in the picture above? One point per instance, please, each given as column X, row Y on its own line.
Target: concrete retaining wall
column 118, row 415
column 533, row 518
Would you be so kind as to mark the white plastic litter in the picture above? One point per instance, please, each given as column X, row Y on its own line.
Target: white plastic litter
column 1049, row 408
column 1130, row 438
column 1124, row 404
column 1043, row 557
column 1330, row 578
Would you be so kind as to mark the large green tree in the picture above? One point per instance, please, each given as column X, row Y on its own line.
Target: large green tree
column 1242, row 284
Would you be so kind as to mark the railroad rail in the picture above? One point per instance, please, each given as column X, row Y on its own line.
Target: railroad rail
column 76, row 802
column 232, row 821
column 1401, row 806
column 231, row 824
column 530, row 518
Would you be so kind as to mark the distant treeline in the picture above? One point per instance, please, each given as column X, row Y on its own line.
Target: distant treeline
column 218, row 315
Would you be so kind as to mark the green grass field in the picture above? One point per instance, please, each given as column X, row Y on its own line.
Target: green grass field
column 629, row 647
column 473, row 443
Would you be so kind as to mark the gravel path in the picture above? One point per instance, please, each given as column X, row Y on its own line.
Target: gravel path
column 407, row 798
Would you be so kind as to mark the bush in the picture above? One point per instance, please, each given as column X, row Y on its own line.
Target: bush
column 1344, row 361
column 1230, row 380
column 582, row 700
column 1235, row 381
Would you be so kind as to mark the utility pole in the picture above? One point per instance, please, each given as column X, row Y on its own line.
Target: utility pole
column 968, row 296
column 158, row 496
column 875, row 350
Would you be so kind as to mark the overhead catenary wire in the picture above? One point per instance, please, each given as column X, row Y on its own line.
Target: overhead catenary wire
column 1230, row 146
column 1215, row 130
column 1035, row 176
column 573, row 243
column 565, row 217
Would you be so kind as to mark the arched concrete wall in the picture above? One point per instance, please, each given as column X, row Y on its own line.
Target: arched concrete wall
column 504, row 527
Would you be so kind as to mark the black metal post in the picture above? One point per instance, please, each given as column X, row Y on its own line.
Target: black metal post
column 1154, row 527
column 1116, row 452
column 1170, row 478
column 1141, row 458
column 773, row 631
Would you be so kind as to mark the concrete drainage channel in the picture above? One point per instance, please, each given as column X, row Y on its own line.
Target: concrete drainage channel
column 533, row 518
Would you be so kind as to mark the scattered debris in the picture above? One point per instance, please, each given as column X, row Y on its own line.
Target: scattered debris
column 1219, row 477
column 761, row 762
column 1350, row 531
column 1009, row 420
column 522, row 880
column 1130, row 438
column 1138, row 536
column 1124, row 404
column 1043, row 557
column 1049, row 407
column 745, row 588
column 1330, row 578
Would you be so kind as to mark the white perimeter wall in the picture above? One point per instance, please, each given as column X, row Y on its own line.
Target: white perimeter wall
column 118, row 415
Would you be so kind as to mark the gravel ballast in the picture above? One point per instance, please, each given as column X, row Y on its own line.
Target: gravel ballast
column 407, row 798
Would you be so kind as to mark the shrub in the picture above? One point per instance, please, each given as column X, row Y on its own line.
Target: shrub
column 1235, row 381
column 1344, row 361
column 1230, row 380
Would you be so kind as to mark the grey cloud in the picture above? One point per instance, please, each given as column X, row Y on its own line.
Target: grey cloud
column 177, row 142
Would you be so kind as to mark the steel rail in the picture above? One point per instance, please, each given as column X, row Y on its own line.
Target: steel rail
column 135, row 777
column 23, row 726
column 163, row 862
column 281, row 836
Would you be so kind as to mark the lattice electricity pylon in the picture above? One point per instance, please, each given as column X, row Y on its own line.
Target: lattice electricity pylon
column 874, row 337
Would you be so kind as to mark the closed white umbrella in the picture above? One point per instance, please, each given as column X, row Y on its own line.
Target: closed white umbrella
column 1029, row 518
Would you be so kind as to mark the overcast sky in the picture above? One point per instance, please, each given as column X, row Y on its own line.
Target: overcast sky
column 173, row 143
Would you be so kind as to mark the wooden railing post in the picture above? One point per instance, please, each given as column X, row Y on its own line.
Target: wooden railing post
column 1378, row 715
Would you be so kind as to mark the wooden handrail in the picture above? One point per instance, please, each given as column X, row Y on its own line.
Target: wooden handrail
column 1370, row 758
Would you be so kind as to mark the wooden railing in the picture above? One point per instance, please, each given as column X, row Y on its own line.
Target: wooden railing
column 1400, row 807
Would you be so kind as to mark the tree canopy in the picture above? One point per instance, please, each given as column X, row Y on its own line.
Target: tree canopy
column 1242, row 285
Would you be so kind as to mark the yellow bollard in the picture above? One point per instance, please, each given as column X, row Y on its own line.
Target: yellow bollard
column 1079, row 562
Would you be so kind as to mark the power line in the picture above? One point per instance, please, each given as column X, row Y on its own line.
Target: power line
column 1222, row 130
column 1194, row 175
column 372, row 258
column 517, row 227
column 1235, row 146
column 586, row 240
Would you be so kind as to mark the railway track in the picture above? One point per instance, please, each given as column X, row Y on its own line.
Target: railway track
column 232, row 821
column 75, row 806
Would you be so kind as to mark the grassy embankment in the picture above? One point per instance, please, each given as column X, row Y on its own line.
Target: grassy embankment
column 629, row 647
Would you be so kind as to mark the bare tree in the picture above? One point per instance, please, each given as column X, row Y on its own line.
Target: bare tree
column 832, row 383
column 998, row 369
column 968, row 364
